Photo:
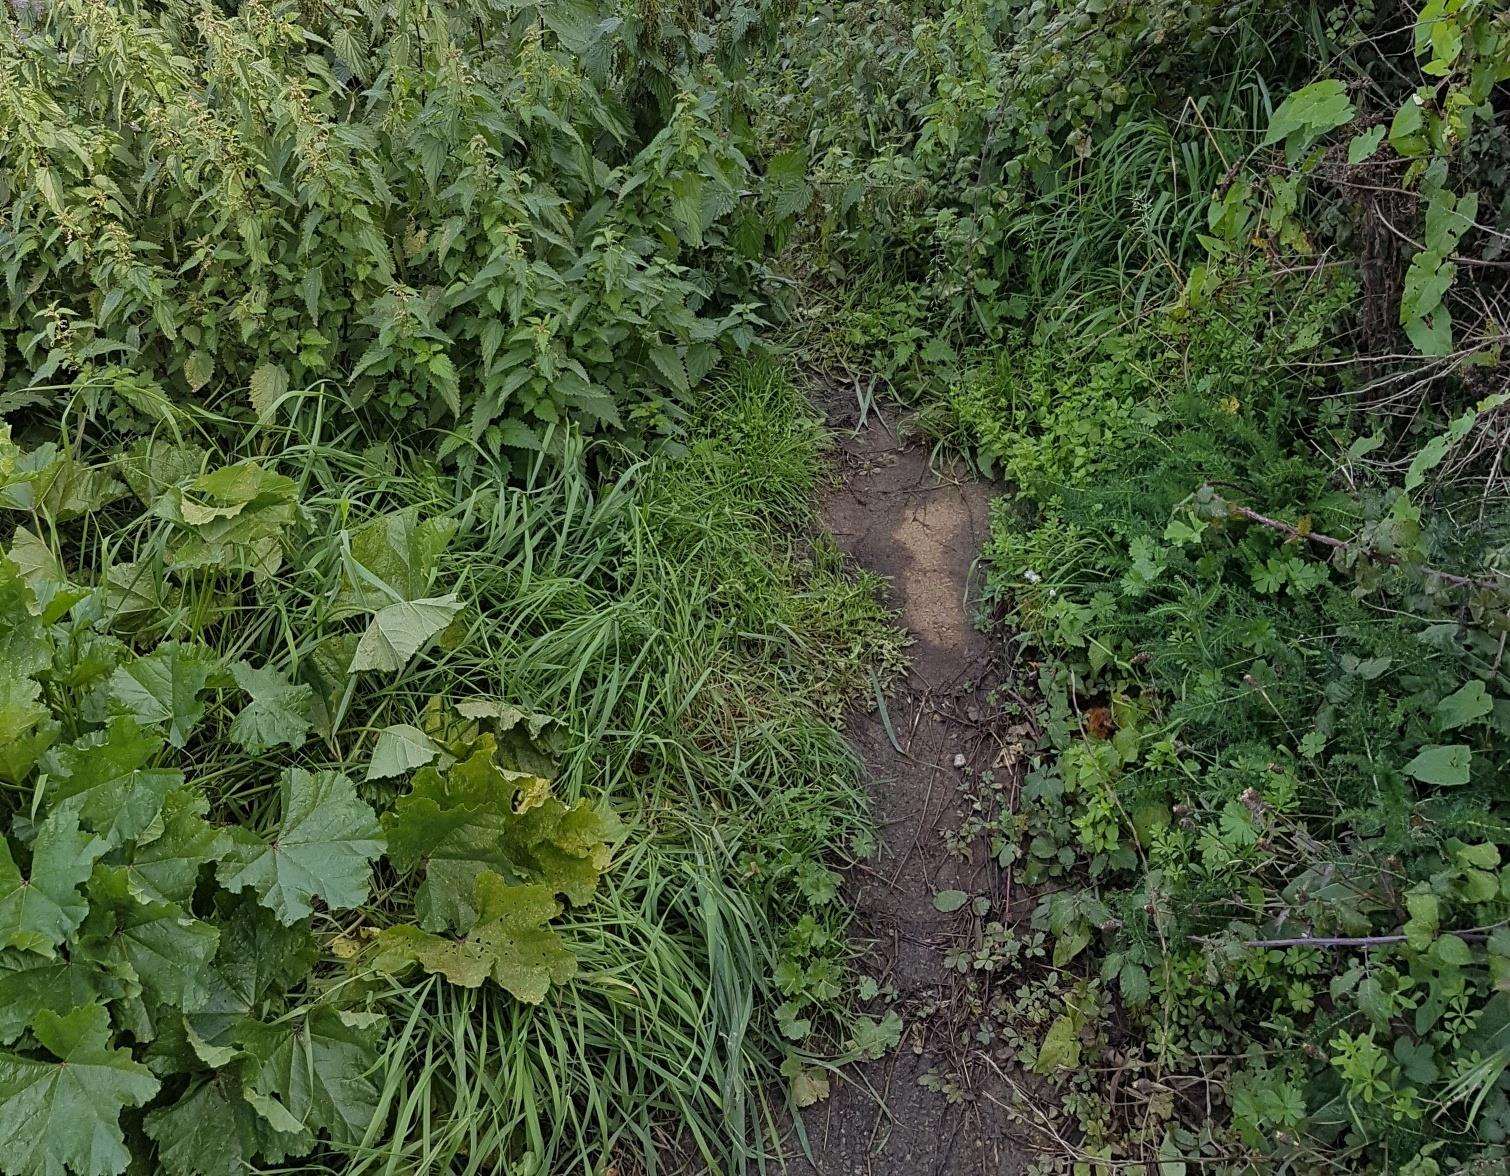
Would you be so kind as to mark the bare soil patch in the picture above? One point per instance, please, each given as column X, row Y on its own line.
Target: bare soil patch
column 896, row 513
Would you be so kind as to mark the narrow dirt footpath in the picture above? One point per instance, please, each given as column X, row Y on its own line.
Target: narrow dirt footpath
column 922, row 528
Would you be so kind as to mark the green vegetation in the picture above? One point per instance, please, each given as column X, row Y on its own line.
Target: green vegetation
column 1217, row 291
column 420, row 693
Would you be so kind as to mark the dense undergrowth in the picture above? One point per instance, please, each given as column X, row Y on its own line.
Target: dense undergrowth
column 1216, row 290
column 419, row 704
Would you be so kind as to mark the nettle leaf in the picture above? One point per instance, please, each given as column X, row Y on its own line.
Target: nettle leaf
column 401, row 748
column 159, row 944
column 478, row 817
column 106, row 774
column 162, row 689
column 315, row 1072
column 399, row 552
column 63, row 1115
column 322, row 848
column 509, row 943
column 269, row 383
column 1445, row 767
column 41, row 909
column 278, row 712
column 398, row 631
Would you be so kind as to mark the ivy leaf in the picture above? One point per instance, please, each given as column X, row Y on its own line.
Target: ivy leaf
column 40, row 911
column 162, row 688
column 398, row 631
column 278, row 712
column 64, row 1116
column 321, row 848
column 400, row 749
column 1466, row 705
column 316, row 1070
column 510, row 942
column 1445, row 767
column 118, row 795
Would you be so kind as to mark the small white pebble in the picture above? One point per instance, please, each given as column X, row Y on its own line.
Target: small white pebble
column 959, row 759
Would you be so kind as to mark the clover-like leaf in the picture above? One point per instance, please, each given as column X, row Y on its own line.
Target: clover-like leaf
column 63, row 1115
column 278, row 712
column 321, row 848
column 39, row 910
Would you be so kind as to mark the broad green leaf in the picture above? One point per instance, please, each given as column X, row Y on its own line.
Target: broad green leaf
column 321, row 848
column 269, row 383
column 29, row 984
column 41, row 909
column 43, row 573
column 478, row 817
column 64, row 1115
column 198, row 369
column 1061, row 1047
column 392, row 558
column 278, row 712
column 213, row 1130
column 1465, row 705
column 1309, row 113
column 162, row 689
column 258, row 958
column 1445, row 767
column 106, row 774
column 949, row 901
column 401, row 748
column 151, row 466
column 509, row 942
column 159, row 944
column 165, row 860
column 231, row 518
column 1364, row 144
column 318, row 1071
column 398, row 631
